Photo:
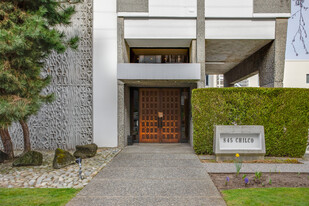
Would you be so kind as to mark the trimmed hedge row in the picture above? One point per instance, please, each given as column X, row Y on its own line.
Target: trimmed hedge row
column 284, row 113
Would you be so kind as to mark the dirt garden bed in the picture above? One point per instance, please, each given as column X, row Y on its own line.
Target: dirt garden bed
column 265, row 161
column 277, row 180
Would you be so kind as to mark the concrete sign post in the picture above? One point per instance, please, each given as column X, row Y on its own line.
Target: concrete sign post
column 246, row 140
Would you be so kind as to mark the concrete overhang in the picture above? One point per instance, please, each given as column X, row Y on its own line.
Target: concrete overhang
column 140, row 71
column 224, row 54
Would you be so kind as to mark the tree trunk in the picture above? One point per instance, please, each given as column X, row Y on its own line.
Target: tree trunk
column 27, row 144
column 7, row 142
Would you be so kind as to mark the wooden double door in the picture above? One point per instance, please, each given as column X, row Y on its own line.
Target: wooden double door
column 159, row 115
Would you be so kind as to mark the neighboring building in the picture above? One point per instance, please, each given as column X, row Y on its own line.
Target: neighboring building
column 148, row 55
column 296, row 73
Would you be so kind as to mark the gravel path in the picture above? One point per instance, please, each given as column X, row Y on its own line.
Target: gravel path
column 45, row 176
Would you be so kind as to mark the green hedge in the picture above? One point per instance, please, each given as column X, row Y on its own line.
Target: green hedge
column 284, row 113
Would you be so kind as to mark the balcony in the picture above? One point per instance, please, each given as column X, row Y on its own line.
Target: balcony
column 185, row 71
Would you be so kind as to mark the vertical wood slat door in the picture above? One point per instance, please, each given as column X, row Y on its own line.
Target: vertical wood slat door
column 151, row 102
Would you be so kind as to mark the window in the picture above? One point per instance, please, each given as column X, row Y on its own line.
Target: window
column 207, row 80
column 159, row 55
column 307, row 78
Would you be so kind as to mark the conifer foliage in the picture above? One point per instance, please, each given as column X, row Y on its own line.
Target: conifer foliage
column 28, row 35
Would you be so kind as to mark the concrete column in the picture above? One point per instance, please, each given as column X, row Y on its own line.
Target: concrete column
column 121, row 115
column 192, row 51
column 271, row 74
column 190, row 118
column 268, row 62
column 126, row 113
column 123, row 56
column 123, row 49
column 200, row 40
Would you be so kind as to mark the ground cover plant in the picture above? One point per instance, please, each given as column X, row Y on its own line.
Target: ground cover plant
column 284, row 113
column 259, row 180
column 36, row 196
column 267, row 196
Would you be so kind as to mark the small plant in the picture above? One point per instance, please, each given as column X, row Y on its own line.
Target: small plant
column 238, row 164
column 263, row 184
column 298, row 174
column 269, row 182
column 227, row 180
column 246, row 181
column 258, row 175
column 244, row 176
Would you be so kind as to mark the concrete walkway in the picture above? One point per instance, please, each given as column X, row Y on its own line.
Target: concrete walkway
column 152, row 174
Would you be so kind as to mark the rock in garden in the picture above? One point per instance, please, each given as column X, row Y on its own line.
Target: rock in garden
column 31, row 158
column 84, row 151
column 3, row 156
column 62, row 159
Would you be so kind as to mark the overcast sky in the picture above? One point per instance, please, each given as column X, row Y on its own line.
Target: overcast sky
column 293, row 28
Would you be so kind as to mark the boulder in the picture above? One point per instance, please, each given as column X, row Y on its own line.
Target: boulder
column 85, row 151
column 31, row 158
column 3, row 156
column 62, row 159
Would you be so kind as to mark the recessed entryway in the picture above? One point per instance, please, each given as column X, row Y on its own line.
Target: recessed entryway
column 160, row 115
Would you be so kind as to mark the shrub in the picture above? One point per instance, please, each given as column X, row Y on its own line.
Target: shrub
column 284, row 113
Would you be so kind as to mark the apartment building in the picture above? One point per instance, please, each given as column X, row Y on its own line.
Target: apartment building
column 165, row 48
column 139, row 60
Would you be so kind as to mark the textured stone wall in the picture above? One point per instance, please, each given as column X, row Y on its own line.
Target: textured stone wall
column 68, row 120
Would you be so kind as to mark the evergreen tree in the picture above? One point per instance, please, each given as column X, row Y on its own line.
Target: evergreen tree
column 28, row 35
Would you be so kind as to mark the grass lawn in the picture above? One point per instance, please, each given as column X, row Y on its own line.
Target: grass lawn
column 36, row 196
column 267, row 196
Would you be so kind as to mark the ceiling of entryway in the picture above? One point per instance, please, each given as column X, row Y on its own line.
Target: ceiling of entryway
column 224, row 54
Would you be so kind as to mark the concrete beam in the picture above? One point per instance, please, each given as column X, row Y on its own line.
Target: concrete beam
column 272, row 73
column 132, row 5
column 272, row 6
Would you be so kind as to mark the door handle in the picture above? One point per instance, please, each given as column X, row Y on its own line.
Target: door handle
column 160, row 119
column 160, row 122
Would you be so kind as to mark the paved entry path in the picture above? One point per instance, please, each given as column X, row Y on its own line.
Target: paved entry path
column 152, row 174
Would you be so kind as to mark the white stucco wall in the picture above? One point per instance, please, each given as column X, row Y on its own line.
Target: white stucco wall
column 295, row 73
column 105, row 73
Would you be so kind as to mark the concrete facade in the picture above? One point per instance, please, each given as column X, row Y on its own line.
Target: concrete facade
column 239, row 40
column 132, row 5
column 212, row 43
column 272, row 6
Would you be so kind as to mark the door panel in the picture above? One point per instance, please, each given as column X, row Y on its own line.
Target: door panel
column 170, row 106
column 154, row 103
column 149, row 105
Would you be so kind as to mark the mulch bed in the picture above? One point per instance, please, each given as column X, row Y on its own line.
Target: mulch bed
column 265, row 161
column 277, row 180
